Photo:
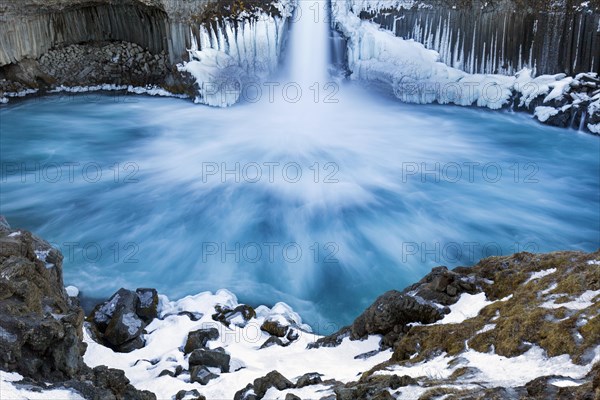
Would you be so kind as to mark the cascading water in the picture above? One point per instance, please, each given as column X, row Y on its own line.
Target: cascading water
column 309, row 43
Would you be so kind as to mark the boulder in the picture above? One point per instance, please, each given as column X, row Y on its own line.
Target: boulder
column 311, row 378
column 390, row 310
column 272, row 379
column 199, row 338
column 189, row 395
column 123, row 327
column 241, row 314
column 274, row 328
column 201, row 374
column 216, row 358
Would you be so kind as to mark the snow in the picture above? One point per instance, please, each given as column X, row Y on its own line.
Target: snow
column 543, row 113
column 467, row 306
column 42, row 255
column 564, row 383
column 149, row 90
column 594, row 128
column 15, row 234
column 166, row 337
column 593, row 262
column 582, row 302
column 496, row 370
column 540, row 274
column 9, row 391
column 307, row 392
column 132, row 323
column 72, row 291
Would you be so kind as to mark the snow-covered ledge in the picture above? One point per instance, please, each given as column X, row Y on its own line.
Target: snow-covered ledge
column 416, row 75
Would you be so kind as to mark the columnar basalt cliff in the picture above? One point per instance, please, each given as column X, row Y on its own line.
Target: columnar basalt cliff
column 537, row 57
column 501, row 37
column 157, row 32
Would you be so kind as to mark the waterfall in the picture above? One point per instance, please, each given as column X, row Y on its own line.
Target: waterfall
column 309, row 43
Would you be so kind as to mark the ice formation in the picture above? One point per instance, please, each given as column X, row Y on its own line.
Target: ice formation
column 416, row 75
column 230, row 53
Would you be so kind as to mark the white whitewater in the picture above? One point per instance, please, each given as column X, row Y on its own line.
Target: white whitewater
column 309, row 44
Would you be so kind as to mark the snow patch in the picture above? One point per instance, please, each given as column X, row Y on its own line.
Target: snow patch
column 72, row 291
column 467, row 306
column 10, row 391
column 580, row 303
column 540, row 274
column 543, row 113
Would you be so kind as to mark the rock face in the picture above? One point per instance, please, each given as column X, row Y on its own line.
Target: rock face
column 491, row 38
column 41, row 327
column 45, row 44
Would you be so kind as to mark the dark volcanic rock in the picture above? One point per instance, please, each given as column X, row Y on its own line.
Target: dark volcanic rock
column 201, row 374
column 272, row 379
column 272, row 341
column 311, row 378
column 41, row 329
column 225, row 315
column 274, row 328
column 147, row 306
column 124, row 327
column 216, row 358
column 119, row 322
column 390, row 310
column 189, row 394
column 442, row 286
column 199, row 338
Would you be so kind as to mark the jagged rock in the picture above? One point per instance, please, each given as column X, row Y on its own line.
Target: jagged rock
column 41, row 329
column 274, row 328
column 226, row 315
column 119, row 322
column 272, row 379
column 201, row 374
column 390, row 310
column 246, row 393
column 32, row 341
column 199, row 338
column 272, row 341
column 147, row 306
column 189, row 395
column 123, row 300
column 372, row 387
column 442, row 286
column 311, row 378
column 216, row 358
column 291, row 396
column 123, row 327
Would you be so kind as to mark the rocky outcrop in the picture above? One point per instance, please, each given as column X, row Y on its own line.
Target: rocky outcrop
column 41, row 327
column 120, row 321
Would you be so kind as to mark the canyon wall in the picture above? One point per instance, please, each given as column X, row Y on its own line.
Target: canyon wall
column 499, row 37
column 32, row 27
